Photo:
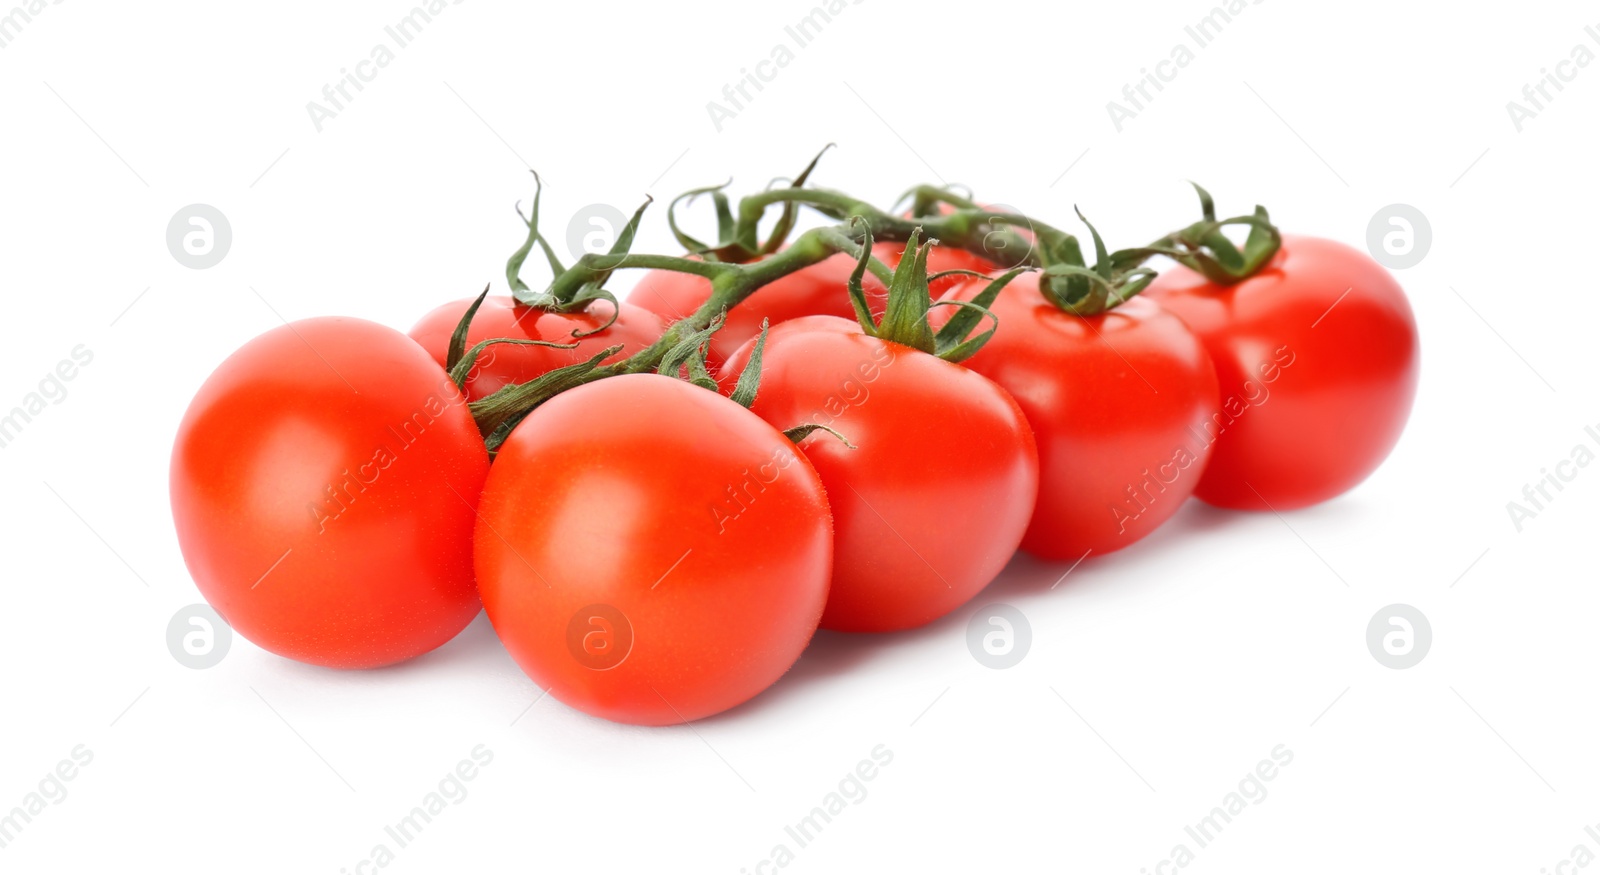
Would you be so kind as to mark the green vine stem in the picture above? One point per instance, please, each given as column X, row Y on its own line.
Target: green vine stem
column 937, row 214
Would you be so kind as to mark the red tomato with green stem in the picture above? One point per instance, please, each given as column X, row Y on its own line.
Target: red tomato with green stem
column 591, row 329
column 1316, row 353
column 586, row 319
column 323, row 484
column 929, row 441
column 816, row 290
column 1118, row 400
column 652, row 552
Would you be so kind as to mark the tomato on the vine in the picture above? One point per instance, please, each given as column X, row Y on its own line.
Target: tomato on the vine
column 652, row 552
column 816, row 290
column 1316, row 357
column 934, row 490
column 1118, row 402
column 940, row 259
column 501, row 316
column 323, row 484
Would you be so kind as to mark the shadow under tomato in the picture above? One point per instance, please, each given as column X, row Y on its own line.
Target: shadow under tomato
column 835, row 654
column 472, row 649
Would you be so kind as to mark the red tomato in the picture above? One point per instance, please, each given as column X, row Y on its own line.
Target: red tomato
column 1118, row 403
column 504, row 364
column 940, row 258
column 323, row 485
column 651, row 552
column 900, row 559
column 1316, row 358
column 821, row 289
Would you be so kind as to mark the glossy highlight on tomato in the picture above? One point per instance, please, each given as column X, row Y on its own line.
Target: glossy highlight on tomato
column 651, row 552
column 323, row 483
column 1317, row 360
column 933, row 500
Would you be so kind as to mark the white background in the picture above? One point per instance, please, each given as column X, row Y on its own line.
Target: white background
column 1157, row 677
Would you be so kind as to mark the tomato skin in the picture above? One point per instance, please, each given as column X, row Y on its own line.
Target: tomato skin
column 1317, row 360
column 821, row 289
column 1118, row 403
column 702, row 525
column 504, row 364
column 940, row 259
column 323, row 483
column 933, row 502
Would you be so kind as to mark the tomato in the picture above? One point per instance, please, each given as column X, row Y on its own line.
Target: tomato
column 816, row 290
column 505, row 364
column 323, row 485
column 940, row 259
column 1118, row 403
column 651, row 552
column 933, row 500
column 1316, row 357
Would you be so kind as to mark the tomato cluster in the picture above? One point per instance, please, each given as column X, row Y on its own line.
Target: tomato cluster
column 659, row 500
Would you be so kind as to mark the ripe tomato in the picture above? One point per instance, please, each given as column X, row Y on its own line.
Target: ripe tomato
column 818, row 289
column 940, row 259
column 323, row 485
column 651, row 552
column 1118, row 403
column 505, row 364
column 1316, row 357
column 932, row 439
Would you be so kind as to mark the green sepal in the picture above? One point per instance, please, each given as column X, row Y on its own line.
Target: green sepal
column 463, row 367
column 1084, row 290
column 514, row 264
column 780, row 231
column 458, row 337
column 497, row 414
column 690, row 244
column 1204, row 248
column 591, row 289
column 952, row 343
column 905, row 316
column 858, row 295
column 801, row 432
column 744, row 391
column 689, row 353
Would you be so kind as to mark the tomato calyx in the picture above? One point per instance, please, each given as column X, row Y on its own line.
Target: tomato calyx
column 573, row 290
column 905, row 317
column 1203, row 248
column 459, row 361
column 801, row 432
column 739, row 242
column 1083, row 290
column 499, row 413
